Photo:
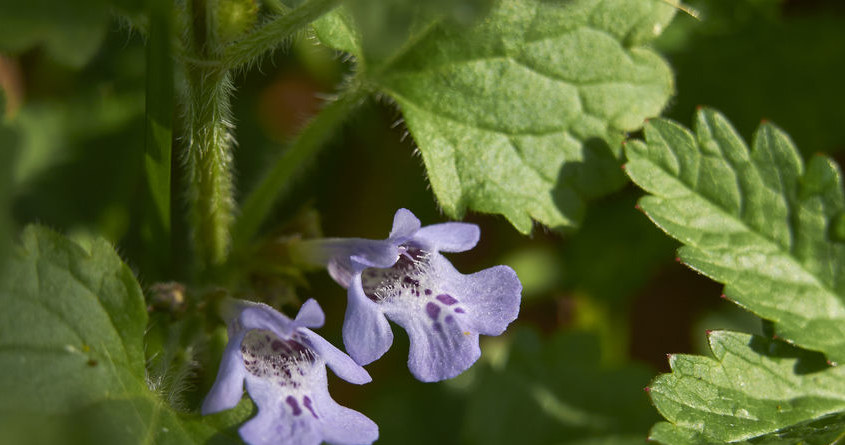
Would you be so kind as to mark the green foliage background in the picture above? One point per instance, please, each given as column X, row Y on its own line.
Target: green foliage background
column 603, row 301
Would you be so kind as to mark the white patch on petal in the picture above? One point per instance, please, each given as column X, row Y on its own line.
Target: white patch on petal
column 410, row 286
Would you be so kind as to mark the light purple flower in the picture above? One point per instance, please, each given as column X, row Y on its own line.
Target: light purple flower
column 404, row 278
column 283, row 364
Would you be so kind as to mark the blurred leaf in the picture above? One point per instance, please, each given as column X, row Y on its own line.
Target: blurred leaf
column 71, row 348
column 616, row 252
column 159, row 130
column 555, row 391
column 753, row 389
column 409, row 412
column 80, row 146
column 539, row 269
column 522, row 114
column 8, row 155
column 71, row 32
column 799, row 55
column 756, row 221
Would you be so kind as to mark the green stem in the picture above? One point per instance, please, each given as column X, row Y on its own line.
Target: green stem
column 273, row 34
column 260, row 200
column 210, row 191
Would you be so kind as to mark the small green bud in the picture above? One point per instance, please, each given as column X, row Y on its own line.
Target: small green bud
column 235, row 18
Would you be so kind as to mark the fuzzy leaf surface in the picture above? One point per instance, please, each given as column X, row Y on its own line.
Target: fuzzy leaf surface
column 522, row 114
column 758, row 221
column 71, row 350
column 753, row 390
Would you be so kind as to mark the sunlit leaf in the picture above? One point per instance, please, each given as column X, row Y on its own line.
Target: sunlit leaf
column 758, row 221
column 522, row 114
column 752, row 389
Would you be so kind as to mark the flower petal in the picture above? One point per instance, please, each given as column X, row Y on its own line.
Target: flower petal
column 228, row 388
column 438, row 350
column 310, row 314
column 274, row 424
column 260, row 316
column 491, row 297
column 344, row 426
column 344, row 256
column 449, row 237
column 366, row 332
column 405, row 224
column 358, row 254
column 342, row 365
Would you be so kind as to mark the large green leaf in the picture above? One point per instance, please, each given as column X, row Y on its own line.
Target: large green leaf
column 753, row 388
column 522, row 114
column 557, row 391
column 71, row 349
column 759, row 221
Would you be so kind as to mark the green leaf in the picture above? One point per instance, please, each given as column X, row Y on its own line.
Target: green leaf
column 71, row 348
column 522, row 114
column 378, row 29
column 756, row 221
column 556, row 391
column 753, row 388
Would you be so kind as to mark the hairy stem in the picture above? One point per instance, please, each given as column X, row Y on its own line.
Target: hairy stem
column 273, row 33
column 308, row 143
column 209, row 138
column 209, row 159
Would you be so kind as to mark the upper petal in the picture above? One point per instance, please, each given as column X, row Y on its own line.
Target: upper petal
column 449, row 237
column 345, row 256
column 405, row 224
column 228, row 388
column 354, row 255
column 366, row 332
column 261, row 316
column 310, row 314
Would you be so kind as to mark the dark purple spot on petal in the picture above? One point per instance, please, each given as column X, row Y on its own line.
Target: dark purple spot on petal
column 449, row 319
column 307, row 402
column 433, row 310
column 293, row 405
column 446, row 299
column 437, row 327
column 428, row 291
column 459, row 310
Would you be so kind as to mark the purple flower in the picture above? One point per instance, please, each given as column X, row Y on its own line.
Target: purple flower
column 405, row 279
column 284, row 366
